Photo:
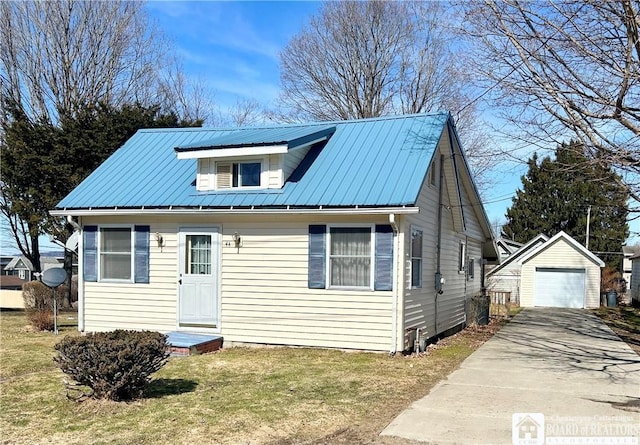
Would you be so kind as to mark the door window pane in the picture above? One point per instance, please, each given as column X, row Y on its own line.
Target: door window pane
column 350, row 257
column 198, row 254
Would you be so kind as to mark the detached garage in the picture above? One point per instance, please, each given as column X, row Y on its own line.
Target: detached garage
column 560, row 273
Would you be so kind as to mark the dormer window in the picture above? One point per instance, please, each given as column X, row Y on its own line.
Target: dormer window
column 252, row 158
column 238, row 174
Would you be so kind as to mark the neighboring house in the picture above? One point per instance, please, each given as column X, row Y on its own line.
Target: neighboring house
column 505, row 277
column 628, row 252
column 555, row 272
column 11, row 282
column 21, row 267
column 506, row 248
column 4, row 260
column 350, row 234
column 634, row 287
column 11, row 292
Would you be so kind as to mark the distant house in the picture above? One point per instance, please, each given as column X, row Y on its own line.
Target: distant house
column 627, row 253
column 350, row 234
column 634, row 287
column 555, row 272
column 21, row 267
column 506, row 247
column 505, row 277
column 11, row 282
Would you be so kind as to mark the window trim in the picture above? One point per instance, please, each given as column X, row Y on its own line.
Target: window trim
column 413, row 228
column 264, row 173
column 432, row 174
column 471, row 262
column 131, row 228
column 372, row 256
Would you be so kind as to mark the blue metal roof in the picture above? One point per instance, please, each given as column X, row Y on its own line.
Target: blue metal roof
column 248, row 137
column 371, row 162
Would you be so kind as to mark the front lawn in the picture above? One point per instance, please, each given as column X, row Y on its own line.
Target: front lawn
column 238, row 395
column 624, row 321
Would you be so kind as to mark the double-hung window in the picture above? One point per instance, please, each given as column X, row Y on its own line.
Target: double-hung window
column 416, row 258
column 462, row 257
column 116, row 253
column 351, row 257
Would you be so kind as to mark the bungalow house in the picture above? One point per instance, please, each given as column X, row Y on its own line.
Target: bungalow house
column 550, row 272
column 360, row 234
column 21, row 267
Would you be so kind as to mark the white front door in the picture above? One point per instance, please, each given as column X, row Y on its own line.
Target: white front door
column 198, row 280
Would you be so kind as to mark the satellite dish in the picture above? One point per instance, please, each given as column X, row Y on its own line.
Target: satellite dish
column 72, row 242
column 54, row 276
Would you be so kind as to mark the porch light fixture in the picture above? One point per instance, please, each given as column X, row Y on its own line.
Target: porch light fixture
column 159, row 239
column 237, row 240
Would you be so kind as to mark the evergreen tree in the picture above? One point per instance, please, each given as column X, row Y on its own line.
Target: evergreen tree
column 557, row 194
column 42, row 163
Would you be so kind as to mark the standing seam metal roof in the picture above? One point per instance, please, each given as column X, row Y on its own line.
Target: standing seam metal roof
column 371, row 162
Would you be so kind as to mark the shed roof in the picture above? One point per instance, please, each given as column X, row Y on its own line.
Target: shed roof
column 370, row 162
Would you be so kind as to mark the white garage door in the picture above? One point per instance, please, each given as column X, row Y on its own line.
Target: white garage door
column 559, row 288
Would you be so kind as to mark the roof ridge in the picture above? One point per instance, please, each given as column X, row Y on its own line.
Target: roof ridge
column 296, row 124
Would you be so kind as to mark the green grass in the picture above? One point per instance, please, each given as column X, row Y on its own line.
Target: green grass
column 624, row 321
column 256, row 395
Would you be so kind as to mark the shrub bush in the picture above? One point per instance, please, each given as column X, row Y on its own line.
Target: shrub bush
column 114, row 365
column 38, row 304
column 37, row 296
column 41, row 320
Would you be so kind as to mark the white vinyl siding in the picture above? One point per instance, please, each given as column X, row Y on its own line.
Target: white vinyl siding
column 560, row 255
column 264, row 294
column 422, row 305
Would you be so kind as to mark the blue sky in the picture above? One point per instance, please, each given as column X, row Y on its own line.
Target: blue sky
column 234, row 47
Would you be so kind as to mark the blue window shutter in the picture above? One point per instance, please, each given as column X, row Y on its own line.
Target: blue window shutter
column 317, row 256
column 383, row 279
column 90, row 253
column 141, row 254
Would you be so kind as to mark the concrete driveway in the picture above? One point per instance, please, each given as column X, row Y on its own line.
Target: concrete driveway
column 565, row 367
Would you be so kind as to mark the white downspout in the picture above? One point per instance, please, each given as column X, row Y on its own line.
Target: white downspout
column 396, row 284
column 80, row 276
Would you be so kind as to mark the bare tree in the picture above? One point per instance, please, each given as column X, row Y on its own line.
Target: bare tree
column 58, row 58
column 369, row 59
column 564, row 69
column 245, row 112
column 191, row 99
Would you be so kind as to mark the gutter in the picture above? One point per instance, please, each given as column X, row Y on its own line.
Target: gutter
column 111, row 211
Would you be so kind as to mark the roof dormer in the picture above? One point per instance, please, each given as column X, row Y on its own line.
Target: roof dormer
column 252, row 159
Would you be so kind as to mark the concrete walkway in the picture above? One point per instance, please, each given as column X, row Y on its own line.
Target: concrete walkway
column 564, row 365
